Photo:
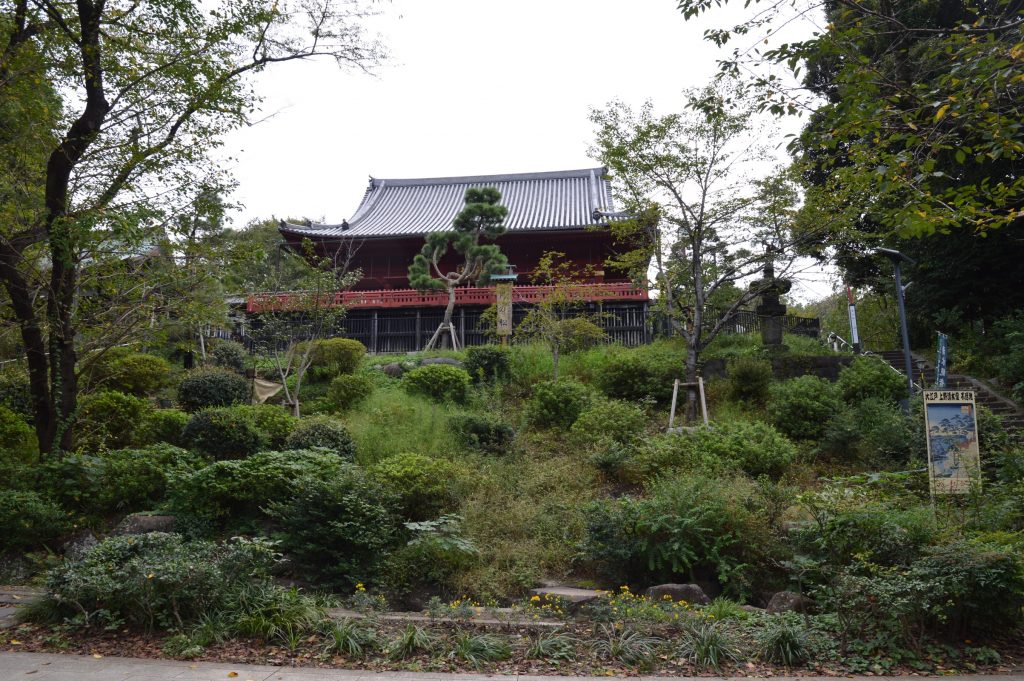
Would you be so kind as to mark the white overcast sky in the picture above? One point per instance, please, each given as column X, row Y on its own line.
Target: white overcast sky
column 473, row 87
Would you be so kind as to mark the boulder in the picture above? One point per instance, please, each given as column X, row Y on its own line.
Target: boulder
column 573, row 597
column 394, row 370
column 442, row 360
column 78, row 544
column 788, row 601
column 691, row 593
column 143, row 523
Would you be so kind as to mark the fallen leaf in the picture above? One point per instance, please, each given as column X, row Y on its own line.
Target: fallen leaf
column 97, row 655
column 232, row 675
column 15, row 642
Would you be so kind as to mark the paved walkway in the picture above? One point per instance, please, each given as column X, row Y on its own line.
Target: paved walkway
column 49, row 667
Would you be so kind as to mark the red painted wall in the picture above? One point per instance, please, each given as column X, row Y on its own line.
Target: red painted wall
column 385, row 262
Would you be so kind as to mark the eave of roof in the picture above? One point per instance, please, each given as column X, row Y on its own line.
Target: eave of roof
column 567, row 200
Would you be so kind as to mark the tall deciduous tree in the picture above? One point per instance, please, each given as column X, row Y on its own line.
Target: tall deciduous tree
column 145, row 90
column 704, row 224
column 482, row 218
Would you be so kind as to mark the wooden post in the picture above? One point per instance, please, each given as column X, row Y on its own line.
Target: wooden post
column 416, row 340
column 675, row 396
column 462, row 327
column 703, row 402
column 373, row 333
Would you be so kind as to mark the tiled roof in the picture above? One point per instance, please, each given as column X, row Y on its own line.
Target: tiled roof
column 561, row 200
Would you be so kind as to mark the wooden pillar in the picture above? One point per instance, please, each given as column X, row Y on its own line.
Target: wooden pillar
column 373, row 333
column 462, row 327
column 416, row 340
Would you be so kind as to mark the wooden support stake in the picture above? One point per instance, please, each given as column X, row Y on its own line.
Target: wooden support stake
column 675, row 396
column 703, row 402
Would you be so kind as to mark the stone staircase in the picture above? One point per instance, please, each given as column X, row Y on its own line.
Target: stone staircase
column 984, row 394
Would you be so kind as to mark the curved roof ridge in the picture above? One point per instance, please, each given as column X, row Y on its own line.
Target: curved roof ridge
column 474, row 179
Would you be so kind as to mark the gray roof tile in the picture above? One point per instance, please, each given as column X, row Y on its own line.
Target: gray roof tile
column 559, row 200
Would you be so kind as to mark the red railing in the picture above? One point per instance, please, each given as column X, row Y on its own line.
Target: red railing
column 396, row 298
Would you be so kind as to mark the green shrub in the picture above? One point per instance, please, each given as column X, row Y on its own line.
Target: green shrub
column 155, row 580
column 578, row 333
column 162, row 425
column 27, row 520
column 871, row 377
column 485, row 433
column 784, row 641
column 751, row 446
column 232, row 493
column 966, row 586
column 557, row 404
column 229, row 355
column 17, row 438
column 802, row 407
column 273, row 421
column 137, row 374
column 122, row 480
column 15, row 393
column 335, row 356
column 223, row 433
column 108, row 420
column 640, row 374
column 338, row 529
column 320, row 432
column 205, row 388
column 874, row 430
column 749, row 379
column 348, row 390
column 488, row 362
column 686, row 528
column 423, row 486
column 441, row 382
column 608, row 421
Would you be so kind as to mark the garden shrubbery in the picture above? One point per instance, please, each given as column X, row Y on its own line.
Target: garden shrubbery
column 108, row 420
column 15, row 393
column 17, row 438
column 162, row 425
column 135, row 373
column 229, row 355
column 335, row 356
column 488, row 362
column 485, row 433
column 753, row 447
column 275, row 423
column 871, row 377
column 321, row 432
column 338, row 528
column 557, row 404
column 749, row 379
column 205, row 388
column 802, row 407
column 608, row 421
column 28, row 520
column 425, row 487
column 872, row 430
column 347, row 391
column 231, row 493
column 441, row 382
column 644, row 374
column 224, row 433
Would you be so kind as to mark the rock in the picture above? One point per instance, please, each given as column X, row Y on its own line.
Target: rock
column 691, row 593
column 573, row 597
column 752, row 609
column 142, row 523
column 788, row 601
column 14, row 568
column 442, row 360
column 394, row 370
column 79, row 544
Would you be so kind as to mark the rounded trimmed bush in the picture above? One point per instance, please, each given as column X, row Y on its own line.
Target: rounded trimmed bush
column 140, row 374
column 488, row 362
column 224, row 433
column 208, row 388
column 608, row 421
column 871, row 377
column 348, row 390
column 577, row 333
column 557, row 404
column 335, row 356
column 28, row 520
column 441, row 382
column 272, row 420
column 108, row 420
column 319, row 432
column 229, row 355
column 162, row 425
column 640, row 374
column 482, row 432
column 422, row 484
column 802, row 407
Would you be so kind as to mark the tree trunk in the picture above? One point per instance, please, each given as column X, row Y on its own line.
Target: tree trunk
column 446, row 325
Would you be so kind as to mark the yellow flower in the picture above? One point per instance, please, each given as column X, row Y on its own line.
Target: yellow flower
column 360, row 587
column 535, row 598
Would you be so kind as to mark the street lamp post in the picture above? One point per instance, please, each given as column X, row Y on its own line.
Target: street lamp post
column 898, row 259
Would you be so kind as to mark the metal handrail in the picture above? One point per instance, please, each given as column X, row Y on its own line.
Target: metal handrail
column 838, row 343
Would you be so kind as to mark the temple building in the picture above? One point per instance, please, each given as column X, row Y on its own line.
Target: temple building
column 563, row 211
